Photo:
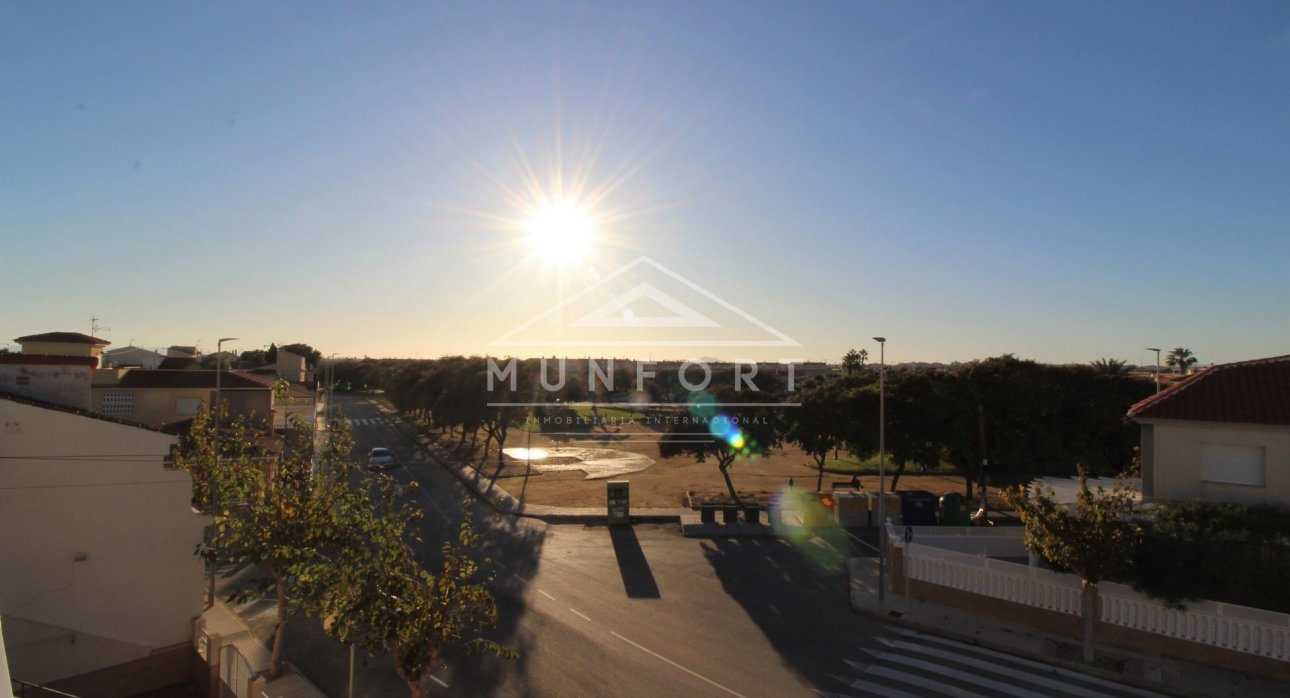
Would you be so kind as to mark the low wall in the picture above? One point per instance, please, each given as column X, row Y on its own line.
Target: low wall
column 1207, row 632
column 170, row 666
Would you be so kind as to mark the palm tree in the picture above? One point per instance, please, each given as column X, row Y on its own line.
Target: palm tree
column 1180, row 358
column 1111, row 367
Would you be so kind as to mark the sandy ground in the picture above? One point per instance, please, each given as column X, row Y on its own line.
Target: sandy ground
column 667, row 481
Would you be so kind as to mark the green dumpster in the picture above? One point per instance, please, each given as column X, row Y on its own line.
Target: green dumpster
column 952, row 511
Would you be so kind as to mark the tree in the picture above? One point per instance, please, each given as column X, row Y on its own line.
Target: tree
column 279, row 513
column 854, row 361
column 732, row 431
column 383, row 600
column 817, row 426
column 312, row 356
column 1111, row 367
column 1094, row 541
column 1180, row 358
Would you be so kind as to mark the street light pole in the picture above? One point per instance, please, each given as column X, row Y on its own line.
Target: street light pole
column 1157, row 351
column 219, row 369
column 882, row 481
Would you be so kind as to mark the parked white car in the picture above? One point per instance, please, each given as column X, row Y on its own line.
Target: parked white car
column 379, row 458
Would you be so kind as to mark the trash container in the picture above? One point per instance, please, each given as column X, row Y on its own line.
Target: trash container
column 851, row 509
column 918, row 508
column 752, row 515
column 892, row 508
column 619, row 492
column 952, row 511
column 730, row 515
column 707, row 513
column 817, row 510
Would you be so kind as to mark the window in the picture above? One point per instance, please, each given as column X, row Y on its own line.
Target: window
column 117, row 403
column 188, row 405
column 1232, row 465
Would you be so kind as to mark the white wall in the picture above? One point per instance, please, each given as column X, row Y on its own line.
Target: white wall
column 87, row 488
column 1181, row 451
column 60, row 384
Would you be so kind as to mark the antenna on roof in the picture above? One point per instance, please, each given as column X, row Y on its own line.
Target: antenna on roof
column 95, row 328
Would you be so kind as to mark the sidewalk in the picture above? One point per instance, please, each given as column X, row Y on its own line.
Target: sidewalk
column 1130, row 666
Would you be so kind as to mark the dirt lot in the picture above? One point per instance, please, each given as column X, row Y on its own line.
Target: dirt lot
column 669, row 482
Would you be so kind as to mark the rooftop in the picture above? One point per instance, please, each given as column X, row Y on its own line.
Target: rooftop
column 63, row 338
column 171, row 378
column 30, row 359
column 1246, row 392
column 34, row 402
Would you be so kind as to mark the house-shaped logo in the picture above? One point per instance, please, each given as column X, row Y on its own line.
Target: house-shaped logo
column 644, row 304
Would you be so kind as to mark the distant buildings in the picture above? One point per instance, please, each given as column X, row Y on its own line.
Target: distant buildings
column 132, row 356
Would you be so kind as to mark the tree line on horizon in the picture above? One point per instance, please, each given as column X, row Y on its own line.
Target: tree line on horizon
column 1022, row 418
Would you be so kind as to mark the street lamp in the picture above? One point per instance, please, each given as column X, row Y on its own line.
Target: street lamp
column 1157, row 351
column 219, row 366
column 882, row 482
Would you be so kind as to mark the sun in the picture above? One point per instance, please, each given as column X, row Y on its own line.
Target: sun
column 560, row 232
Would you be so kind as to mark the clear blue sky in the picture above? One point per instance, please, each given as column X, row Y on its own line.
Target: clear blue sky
column 1063, row 181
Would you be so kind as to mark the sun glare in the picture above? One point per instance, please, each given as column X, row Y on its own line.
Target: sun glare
column 560, row 232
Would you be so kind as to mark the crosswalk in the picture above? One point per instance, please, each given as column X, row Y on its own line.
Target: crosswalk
column 914, row 665
column 370, row 421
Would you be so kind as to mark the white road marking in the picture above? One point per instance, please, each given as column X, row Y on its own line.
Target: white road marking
column 879, row 689
column 546, row 594
column 1060, row 671
column 519, row 578
column 579, row 614
column 438, row 680
column 998, row 669
column 938, row 687
column 996, row 686
column 426, row 495
column 678, row 666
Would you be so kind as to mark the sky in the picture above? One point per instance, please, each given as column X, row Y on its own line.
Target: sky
column 1060, row 181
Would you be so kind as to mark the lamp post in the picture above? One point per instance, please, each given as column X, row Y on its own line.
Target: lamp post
column 882, row 481
column 1157, row 351
column 219, row 369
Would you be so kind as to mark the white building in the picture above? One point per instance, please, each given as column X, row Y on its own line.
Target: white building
column 99, row 585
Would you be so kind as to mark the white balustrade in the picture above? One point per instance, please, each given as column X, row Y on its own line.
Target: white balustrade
column 1238, row 628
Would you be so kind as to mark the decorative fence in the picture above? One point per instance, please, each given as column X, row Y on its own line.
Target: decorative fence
column 1228, row 626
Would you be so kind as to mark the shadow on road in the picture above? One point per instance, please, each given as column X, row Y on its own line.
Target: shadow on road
column 638, row 580
column 796, row 592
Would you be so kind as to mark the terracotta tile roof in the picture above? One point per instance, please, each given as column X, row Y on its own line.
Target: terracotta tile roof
column 168, row 378
column 30, row 359
column 1249, row 392
column 64, row 338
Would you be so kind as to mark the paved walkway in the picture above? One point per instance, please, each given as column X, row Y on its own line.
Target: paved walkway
column 1146, row 670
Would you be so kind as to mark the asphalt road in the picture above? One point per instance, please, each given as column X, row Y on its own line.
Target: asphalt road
column 643, row 611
